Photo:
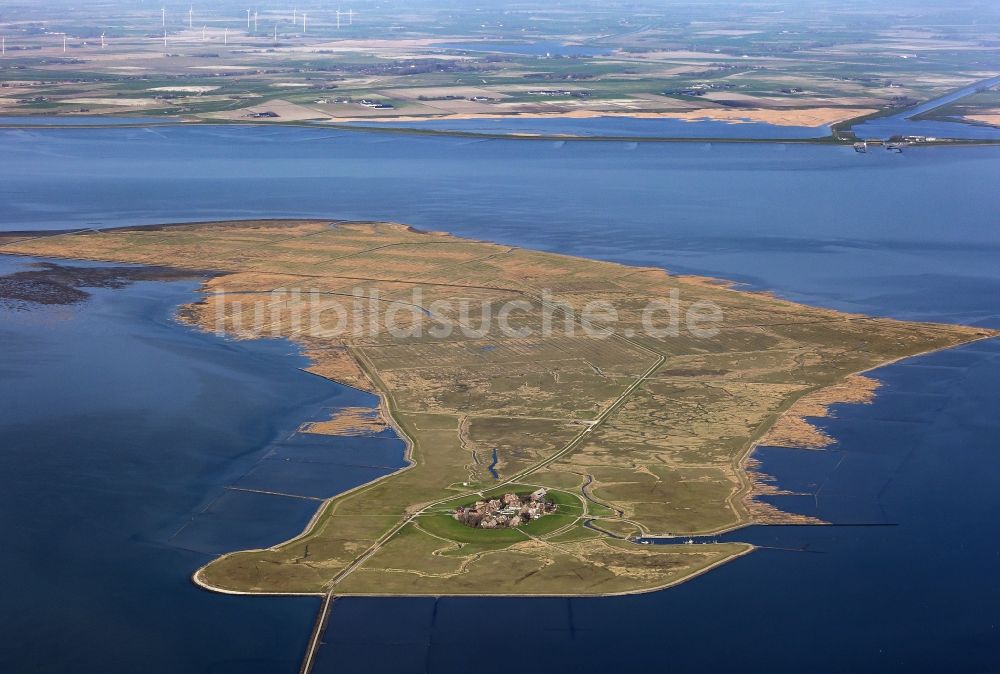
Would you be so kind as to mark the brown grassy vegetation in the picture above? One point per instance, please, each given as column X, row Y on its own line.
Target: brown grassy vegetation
column 650, row 433
column 348, row 421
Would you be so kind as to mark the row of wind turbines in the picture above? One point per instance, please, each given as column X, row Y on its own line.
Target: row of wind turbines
column 253, row 16
column 252, row 24
column 65, row 41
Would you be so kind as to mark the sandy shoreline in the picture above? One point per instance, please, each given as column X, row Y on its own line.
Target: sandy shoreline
column 810, row 117
column 991, row 118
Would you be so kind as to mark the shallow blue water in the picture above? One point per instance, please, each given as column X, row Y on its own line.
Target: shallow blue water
column 912, row 236
column 903, row 124
column 887, row 127
column 900, row 124
column 82, row 120
column 79, row 178
column 122, row 433
column 949, row 98
column 493, row 466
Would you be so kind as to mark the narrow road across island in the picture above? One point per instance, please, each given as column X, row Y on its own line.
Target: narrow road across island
column 315, row 641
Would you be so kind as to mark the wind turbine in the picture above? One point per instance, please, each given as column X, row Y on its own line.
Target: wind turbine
column 203, row 29
column 338, row 19
column 275, row 33
column 350, row 17
column 191, row 18
column 163, row 17
column 295, row 16
column 255, row 22
column 225, row 38
column 64, row 43
column 103, row 43
column 303, row 23
column 248, row 19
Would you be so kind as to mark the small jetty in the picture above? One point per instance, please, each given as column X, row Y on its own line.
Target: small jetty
column 862, row 146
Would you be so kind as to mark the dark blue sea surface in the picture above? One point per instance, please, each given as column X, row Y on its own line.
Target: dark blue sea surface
column 121, row 433
column 912, row 236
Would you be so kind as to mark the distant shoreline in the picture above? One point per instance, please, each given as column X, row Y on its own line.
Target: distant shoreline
column 450, row 133
column 383, row 125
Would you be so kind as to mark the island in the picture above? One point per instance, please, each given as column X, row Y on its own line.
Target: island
column 593, row 424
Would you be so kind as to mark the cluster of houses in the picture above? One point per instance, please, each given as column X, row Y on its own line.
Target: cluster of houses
column 509, row 511
column 364, row 102
column 559, row 92
column 452, row 97
column 375, row 105
column 699, row 89
column 896, row 144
